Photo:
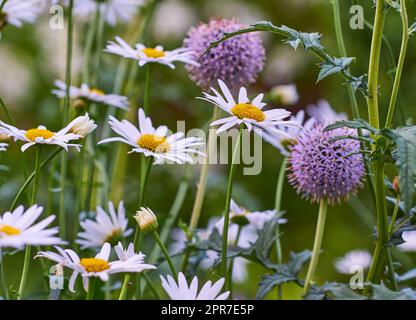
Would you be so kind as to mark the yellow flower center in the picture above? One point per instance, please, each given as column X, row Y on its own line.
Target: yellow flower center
column 9, row 230
column 153, row 53
column 94, row 264
column 32, row 134
column 248, row 111
column 97, row 91
column 153, row 143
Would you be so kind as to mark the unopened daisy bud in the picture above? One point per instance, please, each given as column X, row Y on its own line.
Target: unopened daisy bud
column 285, row 94
column 147, row 220
column 396, row 185
column 80, row 105
column 83, row 125
column 4, row 137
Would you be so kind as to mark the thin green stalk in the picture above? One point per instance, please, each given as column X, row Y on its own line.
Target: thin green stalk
column 320, row 227
column 91, row 288
column 400, row 64
column 231, row 267
column 78, row 203
column 92, row 29
column 3, row 277
column 7, row 112
column 374, row 66
column 392, row 273
column 231, row 177
column 278, row 207
column 166, row 253
column 151, row 286
column 147, row 92
column 379, row 255
column 26, row 262
column 31, row 177
column 394, row 215
column 343, row 52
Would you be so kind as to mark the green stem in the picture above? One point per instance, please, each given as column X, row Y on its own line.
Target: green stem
column 320, row 227
column 151, row 286
column 231, row 177
column 166, row 253
column 278, row 206
column 7, row 112
column 394, row 215
column 3, row 277
column 92, row 29
column 147, row 83
column 343, row 52
column 400, row 64
column 231, row 267
column 379, row 255
column 391, row 270
column 26, row 262
column 374, row 66
column 31, row 177
column 91, row 288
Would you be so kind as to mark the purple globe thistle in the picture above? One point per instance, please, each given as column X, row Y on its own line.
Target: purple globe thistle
column 236, row 61
column 325, row 169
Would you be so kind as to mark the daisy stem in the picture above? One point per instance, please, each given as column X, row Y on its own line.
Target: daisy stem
column 151, row 286
column 231, row 267
column 278, row 206
column 147, row 92
column 3, row 277
column 31, row 177
column 7, row 112
column 400, row 64
column 28, row 248
column 316, row 246
column 231, row 177
column 92, row 28
column 91, row 288
column 166, row 253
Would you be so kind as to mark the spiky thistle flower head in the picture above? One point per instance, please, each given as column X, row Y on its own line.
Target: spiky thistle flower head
column 236, row 61
column 323, row 168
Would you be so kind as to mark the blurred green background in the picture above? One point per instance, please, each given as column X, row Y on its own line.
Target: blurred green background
column 32, row 57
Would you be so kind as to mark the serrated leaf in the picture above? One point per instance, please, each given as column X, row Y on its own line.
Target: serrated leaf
column 381, row 292
column 343, row 292
column 269, row 282
column 334, row 66
column 352, row 124
column 298, row 260
column 405, row 140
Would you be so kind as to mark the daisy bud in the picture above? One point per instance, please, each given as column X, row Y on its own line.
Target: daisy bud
column 147, row 220
column 285, row 94
column 83, row 125
column 396, row 185
column 80, row 105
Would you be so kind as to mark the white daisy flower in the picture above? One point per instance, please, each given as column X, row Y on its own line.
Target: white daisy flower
column 17, row 12
column 91, row 95
column 3, row 146
column 324, row 113
column 145, row 55
column 112, row 11
column 154, row 142
column 352, row 260
column 410, row 242
column 248, row 112
column 285, row 94
column 107, row 227
column 283, row 142
column 41, row 135
column 181, row 290
column 18, row 229
column 99, row 266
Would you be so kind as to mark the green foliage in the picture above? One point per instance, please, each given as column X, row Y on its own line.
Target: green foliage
column 310, row 42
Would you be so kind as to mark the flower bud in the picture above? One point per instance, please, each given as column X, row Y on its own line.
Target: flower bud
column 285, row 94
column 83, row 125
column 147, row 220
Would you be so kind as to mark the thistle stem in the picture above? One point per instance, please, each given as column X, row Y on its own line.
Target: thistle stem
column 277, row 206
column 231, row 177
column 320, row 227
column 400, row 64
column 26, row 262
column 165, row 252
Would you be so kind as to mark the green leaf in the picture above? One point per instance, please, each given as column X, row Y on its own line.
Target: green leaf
column 269, row 282
column 298, row 260
column 405, row 140
column 310, row 42
column 381, row 292
column 265, row 240
column 352, row 124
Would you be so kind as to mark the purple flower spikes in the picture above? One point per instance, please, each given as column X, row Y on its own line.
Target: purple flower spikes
column 324, row 169
column 236, row 61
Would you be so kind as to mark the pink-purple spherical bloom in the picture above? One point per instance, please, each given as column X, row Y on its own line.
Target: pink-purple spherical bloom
column 321, row 168
column 236, row 61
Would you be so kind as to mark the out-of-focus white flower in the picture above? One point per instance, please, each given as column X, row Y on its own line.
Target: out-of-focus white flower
column 172, row 19
column 410, row 242
column 41, row 135
column 154, row 142
column 283, row 143
column 181, row 290
column 324, row 113
column 99, row 266
column 107, row 227
column 17, row 12
column 285, row 94
column 247, row 112
column 18, row 229
column 145, row 55
column 112, row 11
column 352, row 260
column 91, row 94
